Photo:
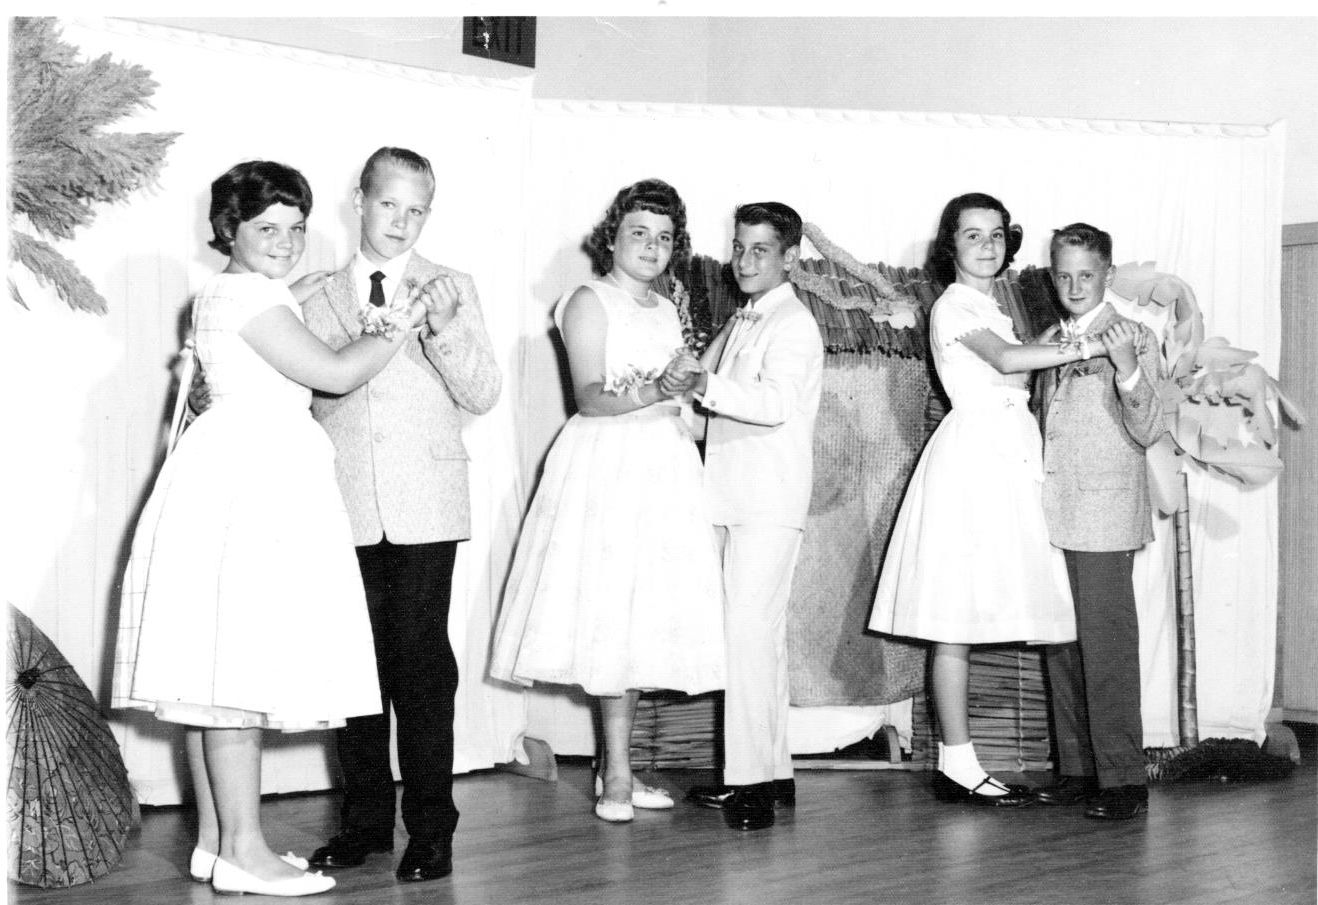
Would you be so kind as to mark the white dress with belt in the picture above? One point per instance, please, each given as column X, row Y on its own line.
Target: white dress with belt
column 615, row 584
column 242, row 603
column 969, row 560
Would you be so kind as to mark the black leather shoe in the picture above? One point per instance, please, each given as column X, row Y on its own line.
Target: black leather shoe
column 951, row 791
column 426, row 860
column 784, row 794
column 750, row 807
column 350, row 848
column 1119, row 803
column 1068, row 790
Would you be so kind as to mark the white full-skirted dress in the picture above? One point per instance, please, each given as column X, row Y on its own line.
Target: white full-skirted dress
column 242, row 603
column 615, row 584
column 969, row 561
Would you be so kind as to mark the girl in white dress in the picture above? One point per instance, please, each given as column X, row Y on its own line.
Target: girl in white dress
column 615, row 585
column 969, row 561
column 242, row 603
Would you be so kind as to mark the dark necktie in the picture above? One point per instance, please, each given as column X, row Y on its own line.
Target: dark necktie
column 377, row 290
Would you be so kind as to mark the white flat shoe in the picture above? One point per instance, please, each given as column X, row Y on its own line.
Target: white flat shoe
column 229, row 880
column 202, row 865
column 643, row 796
column 614, row 811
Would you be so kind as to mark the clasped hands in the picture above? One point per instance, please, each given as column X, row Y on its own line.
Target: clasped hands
column 1122, row 343
column 435, row 302
column 680, row 376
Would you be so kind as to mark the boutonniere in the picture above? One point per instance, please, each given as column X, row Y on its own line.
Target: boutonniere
column 630, row 381
column 1085, row 368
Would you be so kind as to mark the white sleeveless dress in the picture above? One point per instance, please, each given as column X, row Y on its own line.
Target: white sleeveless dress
column 616, row 584
column 242, row 603
column 969, row 560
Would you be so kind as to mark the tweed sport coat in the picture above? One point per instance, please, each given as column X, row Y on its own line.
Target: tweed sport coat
column 401, row 463
column 1095, row 487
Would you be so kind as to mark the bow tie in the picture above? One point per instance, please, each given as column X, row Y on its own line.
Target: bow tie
column 748, row 315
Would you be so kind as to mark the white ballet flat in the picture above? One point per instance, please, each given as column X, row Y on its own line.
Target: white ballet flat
column 229, row 880
column 202, row 865
column 614, row 811
column 643, row 796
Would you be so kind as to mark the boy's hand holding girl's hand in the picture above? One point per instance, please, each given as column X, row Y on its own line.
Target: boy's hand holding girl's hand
column 1119, row 343
column 439, row 299
column 681, row 375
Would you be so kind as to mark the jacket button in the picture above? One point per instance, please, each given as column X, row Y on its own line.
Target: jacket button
column 379, row 437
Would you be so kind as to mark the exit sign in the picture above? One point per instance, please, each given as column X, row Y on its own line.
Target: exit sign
column 507, row 39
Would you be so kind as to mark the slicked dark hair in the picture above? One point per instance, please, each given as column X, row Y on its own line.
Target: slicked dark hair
column 399, row 157
column 784, row 220
column 1082, row 235
column 942, row 254
column 653, row 195
column 248, row 189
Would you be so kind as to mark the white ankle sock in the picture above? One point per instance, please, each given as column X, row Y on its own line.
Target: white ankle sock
column 959, row 764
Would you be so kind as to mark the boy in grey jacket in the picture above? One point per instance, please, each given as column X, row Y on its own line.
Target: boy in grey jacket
column 1098, row 416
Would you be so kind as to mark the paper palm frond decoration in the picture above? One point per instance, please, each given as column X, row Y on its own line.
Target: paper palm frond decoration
column 62, row 160
column 1216, row 397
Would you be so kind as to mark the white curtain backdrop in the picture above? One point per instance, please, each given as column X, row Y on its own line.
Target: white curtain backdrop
column 519, row 186
column 94, row 388
column 1203, row 201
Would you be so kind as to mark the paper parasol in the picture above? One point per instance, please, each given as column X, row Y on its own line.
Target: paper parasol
column 70, row 805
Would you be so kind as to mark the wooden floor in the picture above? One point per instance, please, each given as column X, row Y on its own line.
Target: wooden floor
column 864, row 837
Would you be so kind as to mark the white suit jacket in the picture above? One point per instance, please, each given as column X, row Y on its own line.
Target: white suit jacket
column 762, row 396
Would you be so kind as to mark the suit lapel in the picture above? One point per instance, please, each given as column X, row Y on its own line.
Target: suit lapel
column 342, row 296
column 736, row 339
column 413, row 274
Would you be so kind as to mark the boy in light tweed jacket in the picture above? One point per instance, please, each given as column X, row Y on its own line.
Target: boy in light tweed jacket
column 402, row 469
column 1098, row 417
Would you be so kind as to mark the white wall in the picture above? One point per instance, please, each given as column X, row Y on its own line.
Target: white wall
column 1222, row 70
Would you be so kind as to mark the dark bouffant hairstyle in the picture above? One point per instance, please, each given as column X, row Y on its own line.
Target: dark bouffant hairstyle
column 1082, row 235
column 248, row 189
column 942, row 254
column 785, row 221
column 399, row 157
column 653, row 195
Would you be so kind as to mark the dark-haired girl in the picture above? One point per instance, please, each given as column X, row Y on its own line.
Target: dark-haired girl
column 969, row 561
column 615, row 586
column 242, row 603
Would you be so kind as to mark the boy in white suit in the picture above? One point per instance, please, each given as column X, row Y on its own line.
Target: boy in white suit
column 402, row 469
column 760, row 382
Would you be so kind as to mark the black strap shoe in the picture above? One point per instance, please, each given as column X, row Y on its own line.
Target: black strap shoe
column 426, row 859
column 1119, row 803
column 351, row 846
column 750, row 807
column 951, row 791
column 1068, row 790
column 784, row 794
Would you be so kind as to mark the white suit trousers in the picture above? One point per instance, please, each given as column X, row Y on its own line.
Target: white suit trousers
column 758, row 563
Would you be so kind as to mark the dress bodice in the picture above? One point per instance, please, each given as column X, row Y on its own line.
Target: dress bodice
column 234, row 372
column 971, row 382
column 639, row 340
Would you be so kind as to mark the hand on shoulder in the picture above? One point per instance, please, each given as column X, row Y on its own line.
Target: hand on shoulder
column 305, row 287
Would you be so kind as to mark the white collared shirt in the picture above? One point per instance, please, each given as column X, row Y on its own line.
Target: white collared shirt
column 393, row 271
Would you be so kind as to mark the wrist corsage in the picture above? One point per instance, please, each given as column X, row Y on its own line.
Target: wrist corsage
column 389, row 319
column 1072, row 339
column 629, row 383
